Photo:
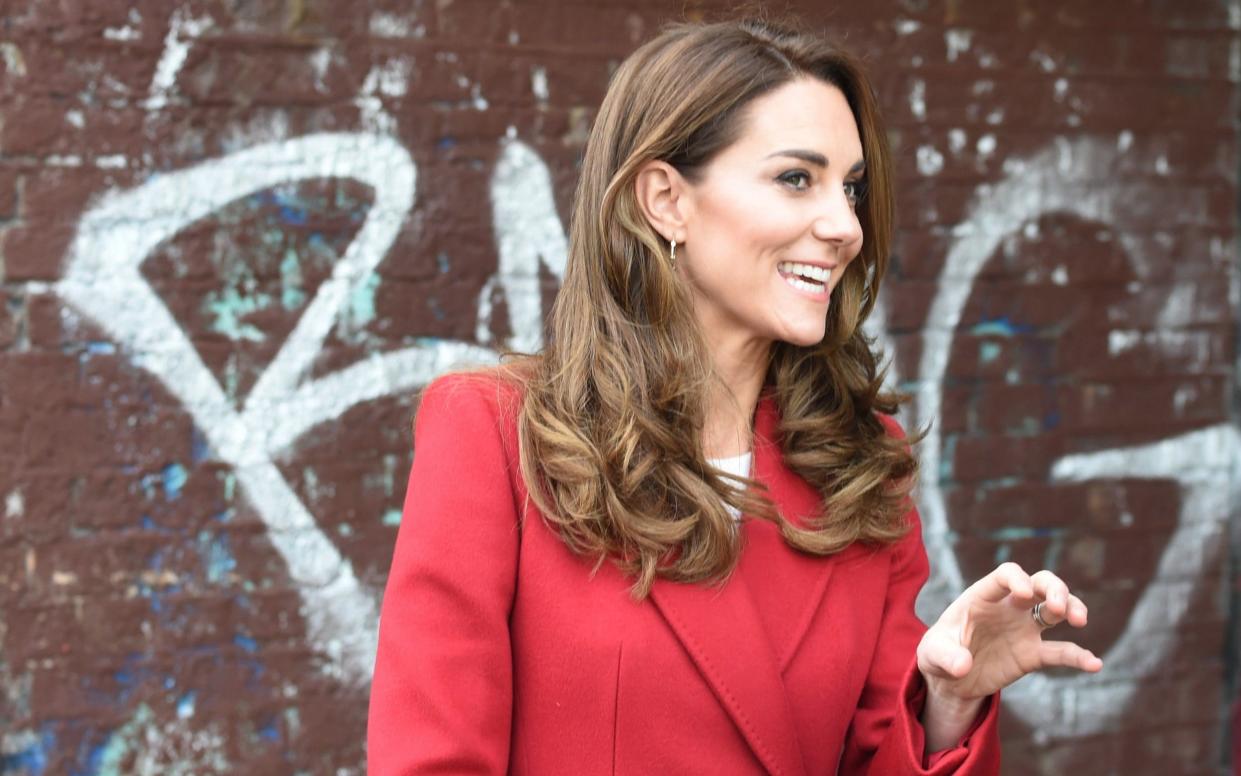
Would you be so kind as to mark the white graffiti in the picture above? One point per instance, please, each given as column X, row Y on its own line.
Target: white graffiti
column 182, row 28
column 528, row 233
column 1066, row 179
column 102, row 280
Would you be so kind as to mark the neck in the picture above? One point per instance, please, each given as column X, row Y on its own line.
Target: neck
column 740, row 367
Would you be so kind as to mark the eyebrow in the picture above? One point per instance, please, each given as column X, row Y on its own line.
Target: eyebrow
column 815, row 158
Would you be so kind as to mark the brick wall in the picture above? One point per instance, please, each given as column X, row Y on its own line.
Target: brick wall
column 236, row 237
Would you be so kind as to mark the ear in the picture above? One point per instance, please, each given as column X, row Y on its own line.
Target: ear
column 665, row 198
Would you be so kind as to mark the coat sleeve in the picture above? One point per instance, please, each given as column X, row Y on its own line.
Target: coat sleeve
column 886, row 736
column 441, row 697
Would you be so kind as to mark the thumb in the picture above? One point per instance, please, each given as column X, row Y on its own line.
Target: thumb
column 943, row 656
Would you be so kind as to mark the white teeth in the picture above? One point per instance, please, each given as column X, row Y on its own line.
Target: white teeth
column 797, row 282
column 821, row 274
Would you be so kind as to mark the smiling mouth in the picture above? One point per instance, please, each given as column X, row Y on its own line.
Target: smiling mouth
column 806, row 277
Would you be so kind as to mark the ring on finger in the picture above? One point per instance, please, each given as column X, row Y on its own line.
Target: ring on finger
column 1037, row 613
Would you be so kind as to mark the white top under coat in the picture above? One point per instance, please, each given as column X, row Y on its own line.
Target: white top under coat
column 738, row 465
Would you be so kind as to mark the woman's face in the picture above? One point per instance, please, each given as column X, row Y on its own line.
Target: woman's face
column 771, row 224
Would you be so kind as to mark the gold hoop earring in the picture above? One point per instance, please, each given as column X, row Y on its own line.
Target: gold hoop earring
column 673, row 258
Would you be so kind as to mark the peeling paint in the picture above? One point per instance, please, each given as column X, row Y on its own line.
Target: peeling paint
column 217, row 558
column 538, row 83
column 985, row 145
column 956, row 140
column 930, row 161
column 957, row 42
column 390, row 25
column 14, row 62
column 233, row 303
column 917, row 99
column 173, row 476
column 14, row 503
column 163, row 749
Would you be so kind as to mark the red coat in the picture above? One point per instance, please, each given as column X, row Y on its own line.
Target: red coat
column 499, row 652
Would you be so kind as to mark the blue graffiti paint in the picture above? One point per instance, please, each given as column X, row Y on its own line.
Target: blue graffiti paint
column 185, row 704
column 230, row 305
column 392, row 517
column 246, row 643
column 95, row 760
column 292, row 295
column 1000, row 326
column 33, row 758
column 1051, row 420
column 361, row 307
column 946, row 460
column 291, row 209
column 173, row 477
column 444, row 143
column 988, row 352
column 129, row 677
column 217, row 557
column 269, row 731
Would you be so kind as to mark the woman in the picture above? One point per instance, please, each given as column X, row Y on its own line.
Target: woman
column 680, row 539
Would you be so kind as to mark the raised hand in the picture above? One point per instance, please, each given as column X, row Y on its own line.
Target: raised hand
column 988, row 638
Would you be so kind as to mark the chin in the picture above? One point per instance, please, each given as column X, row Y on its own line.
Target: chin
column 805, row 339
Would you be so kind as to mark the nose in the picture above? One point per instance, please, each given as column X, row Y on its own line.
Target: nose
column 837, row 221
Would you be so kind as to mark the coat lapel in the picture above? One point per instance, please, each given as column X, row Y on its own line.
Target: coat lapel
column 723, row 632
column 787, row 583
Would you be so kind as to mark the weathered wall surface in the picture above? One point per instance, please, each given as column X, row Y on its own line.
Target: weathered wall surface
column 236, row 237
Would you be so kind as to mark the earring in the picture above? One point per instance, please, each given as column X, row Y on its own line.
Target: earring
column 673, row 257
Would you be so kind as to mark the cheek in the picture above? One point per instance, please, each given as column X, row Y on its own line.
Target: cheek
column 751, row 218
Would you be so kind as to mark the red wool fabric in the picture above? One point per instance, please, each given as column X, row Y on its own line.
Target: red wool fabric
column 500, row 652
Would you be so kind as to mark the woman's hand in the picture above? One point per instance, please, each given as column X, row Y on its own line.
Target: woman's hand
column 988, row 638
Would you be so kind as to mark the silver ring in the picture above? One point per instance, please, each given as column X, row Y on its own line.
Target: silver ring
column 1037, row 613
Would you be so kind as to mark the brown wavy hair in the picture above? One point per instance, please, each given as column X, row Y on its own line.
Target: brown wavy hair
column 611, row 423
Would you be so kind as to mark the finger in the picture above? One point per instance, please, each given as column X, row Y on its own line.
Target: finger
column 1054, row 592
column 1077, row 612
column 941, row 655
column 1007, row 579
column 1066, row 654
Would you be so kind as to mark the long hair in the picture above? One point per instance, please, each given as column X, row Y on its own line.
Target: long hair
column 611, row 423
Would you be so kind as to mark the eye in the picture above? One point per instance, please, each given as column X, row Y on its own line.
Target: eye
column 855, row 191
column 790, row 177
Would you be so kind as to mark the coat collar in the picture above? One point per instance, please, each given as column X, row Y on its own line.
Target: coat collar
column 721, row 628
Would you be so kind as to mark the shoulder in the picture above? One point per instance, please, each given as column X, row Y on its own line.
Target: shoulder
column 491, row 395
column 891, row 425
